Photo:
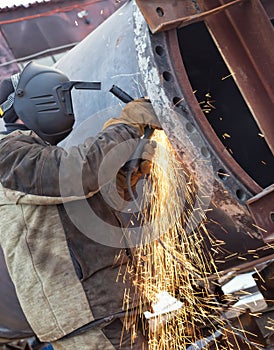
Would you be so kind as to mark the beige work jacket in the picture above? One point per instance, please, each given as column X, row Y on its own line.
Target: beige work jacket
column 34, row 240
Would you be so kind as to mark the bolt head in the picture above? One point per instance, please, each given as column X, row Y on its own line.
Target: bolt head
column 20, row 92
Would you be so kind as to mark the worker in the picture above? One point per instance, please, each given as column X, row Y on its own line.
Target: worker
column 70, row 285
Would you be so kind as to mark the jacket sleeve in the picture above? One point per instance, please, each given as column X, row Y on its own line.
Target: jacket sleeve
column 29, row 165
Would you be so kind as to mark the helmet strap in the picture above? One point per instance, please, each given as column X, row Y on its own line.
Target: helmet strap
column 6, row 105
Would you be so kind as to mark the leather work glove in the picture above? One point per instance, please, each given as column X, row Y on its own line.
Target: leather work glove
column 117, row 191
column 143, row 170
column 138, row 113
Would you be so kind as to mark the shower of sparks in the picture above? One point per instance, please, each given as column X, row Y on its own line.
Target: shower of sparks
column 173, row 271
column 228, row 76
column 207, row 105
column 175, row 261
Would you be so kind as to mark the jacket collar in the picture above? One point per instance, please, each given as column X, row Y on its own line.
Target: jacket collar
column 10, row 127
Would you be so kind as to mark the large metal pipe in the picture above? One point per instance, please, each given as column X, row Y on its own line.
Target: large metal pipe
column 218, row 140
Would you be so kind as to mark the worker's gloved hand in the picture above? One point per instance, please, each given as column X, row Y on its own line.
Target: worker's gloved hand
column 138, row 113
column 147, row 156
column 143, row 170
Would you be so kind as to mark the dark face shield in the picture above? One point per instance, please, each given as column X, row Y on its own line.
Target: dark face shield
column 43, row 101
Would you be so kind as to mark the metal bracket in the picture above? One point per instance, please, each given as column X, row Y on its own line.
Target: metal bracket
column 83, row 85
column 261, row 208
column 162, row 15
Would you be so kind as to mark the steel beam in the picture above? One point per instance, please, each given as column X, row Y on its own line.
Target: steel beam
column 244, row 36
column 162, row 15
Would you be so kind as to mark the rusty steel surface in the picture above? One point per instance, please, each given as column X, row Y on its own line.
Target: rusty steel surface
column 244, row 36
column 248, row 54
column 229, row 186
column 162, row 16
column 241, row 47
column 159, row 14
column 229, row 163
column 261, row 207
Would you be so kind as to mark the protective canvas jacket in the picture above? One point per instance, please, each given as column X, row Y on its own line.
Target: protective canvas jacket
column 39, row 233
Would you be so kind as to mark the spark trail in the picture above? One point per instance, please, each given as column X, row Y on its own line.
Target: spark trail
column 173, row 259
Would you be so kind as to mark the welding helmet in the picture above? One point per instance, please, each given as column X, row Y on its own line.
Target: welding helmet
column 42, row 100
